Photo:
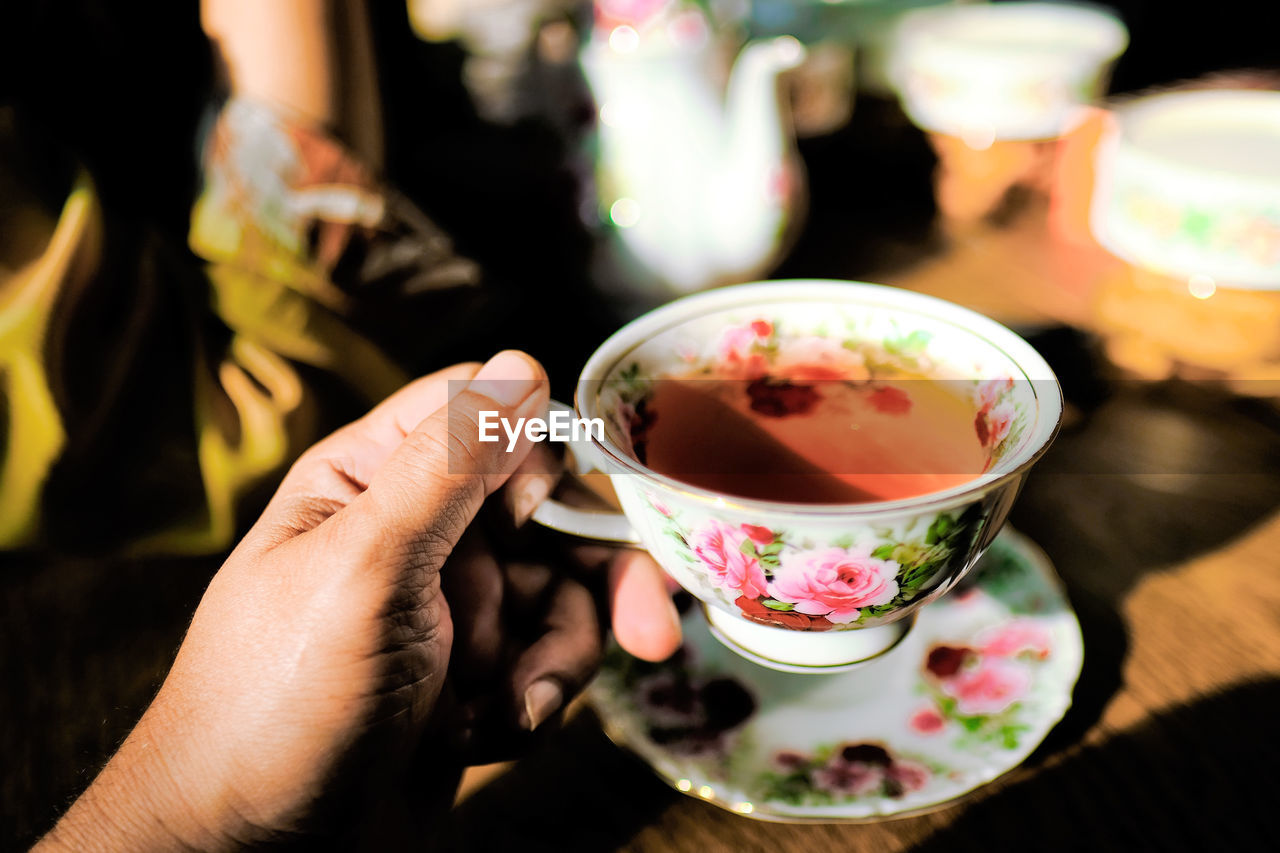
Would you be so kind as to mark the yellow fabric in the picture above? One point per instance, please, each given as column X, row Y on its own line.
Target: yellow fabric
column 262, row 388
column 34, row 431
column 251, row 412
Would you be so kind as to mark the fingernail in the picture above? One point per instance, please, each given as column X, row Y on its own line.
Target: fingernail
column 507, row 378
column 526, row 495
column 543, row 698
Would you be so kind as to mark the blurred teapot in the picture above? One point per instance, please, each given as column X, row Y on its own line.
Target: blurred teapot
column 696, row 166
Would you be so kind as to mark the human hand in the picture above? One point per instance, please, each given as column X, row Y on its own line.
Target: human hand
column 364, row 638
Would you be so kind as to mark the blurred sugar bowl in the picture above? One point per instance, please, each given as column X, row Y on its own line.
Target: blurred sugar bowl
column 1188, row 194
column 992, row 83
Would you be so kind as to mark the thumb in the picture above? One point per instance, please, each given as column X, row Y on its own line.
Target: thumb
column 424, row 496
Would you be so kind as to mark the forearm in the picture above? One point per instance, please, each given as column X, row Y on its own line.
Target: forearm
column 134, row 804
column 313, row 58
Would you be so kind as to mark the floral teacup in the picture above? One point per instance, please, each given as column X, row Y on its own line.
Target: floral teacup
column 801, row 586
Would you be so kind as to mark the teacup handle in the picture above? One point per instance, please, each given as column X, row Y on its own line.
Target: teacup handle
column 601, row 525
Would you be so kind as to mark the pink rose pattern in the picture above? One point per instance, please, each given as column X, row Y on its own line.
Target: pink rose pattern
column 775, row 582
column 814, row 359
column 719, row 546
column 741, row 350
column 661, row 508
column 996, row 414
column 990, row 392
column 1022, row 636
column 751, row 351
column 990, row 688
column 999, row 420
column 976, row 688
column 927, row 721
column 980, row 685
column 909, row 775
column 834, row 582
column 761, row 536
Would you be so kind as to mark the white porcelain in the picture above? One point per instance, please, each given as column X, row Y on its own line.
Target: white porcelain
column 876, row 37
column 794, row 651
column 730, row 551
column 1004, row 71
column 698, row 176
column 1188, row 184
column 972, row 690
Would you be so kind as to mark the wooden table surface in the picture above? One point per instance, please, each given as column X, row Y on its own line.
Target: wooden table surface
column 1158, row 504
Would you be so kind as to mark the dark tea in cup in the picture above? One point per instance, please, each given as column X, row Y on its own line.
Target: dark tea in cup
column 808, row 434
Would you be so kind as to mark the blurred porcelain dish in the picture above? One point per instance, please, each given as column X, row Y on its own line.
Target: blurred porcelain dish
column 1188, row 184
column 1005, row 71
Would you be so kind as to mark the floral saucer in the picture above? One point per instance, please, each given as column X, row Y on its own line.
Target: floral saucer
column 987, row 671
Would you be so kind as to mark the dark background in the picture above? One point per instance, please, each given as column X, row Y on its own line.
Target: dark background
column 124, row 86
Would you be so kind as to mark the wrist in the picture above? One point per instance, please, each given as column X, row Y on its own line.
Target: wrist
column 135, row 804
column 312, row 59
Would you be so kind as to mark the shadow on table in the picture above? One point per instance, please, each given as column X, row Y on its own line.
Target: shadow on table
column 1215, row 791
column 1148, row 476
column 576, row 792
column 1131, row 793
